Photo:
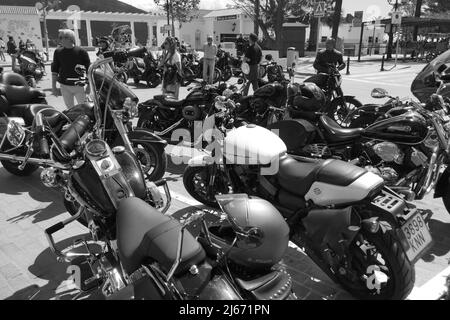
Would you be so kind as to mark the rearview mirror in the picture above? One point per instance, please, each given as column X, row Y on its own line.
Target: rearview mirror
column 379, row 93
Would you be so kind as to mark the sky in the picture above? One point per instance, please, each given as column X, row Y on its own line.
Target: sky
column 370, row 7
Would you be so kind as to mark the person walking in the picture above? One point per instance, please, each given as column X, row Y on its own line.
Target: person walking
column 2, row 49
column 65, row 59
column 209, row 60
column 253, row 56
column 11, row 50
column 325, row 58
column 173, row 72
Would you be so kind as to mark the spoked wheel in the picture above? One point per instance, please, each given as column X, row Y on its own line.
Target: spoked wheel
column 196, row 181
column 340, row 108
column 379, row 268
column 217, row 75
column 152, row 158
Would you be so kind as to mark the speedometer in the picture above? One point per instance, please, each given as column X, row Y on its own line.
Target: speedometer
column 96, row 148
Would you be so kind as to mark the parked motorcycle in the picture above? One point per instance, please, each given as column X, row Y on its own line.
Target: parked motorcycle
column 145, row 68
column 369, row 113
column 223, row 64
column 355, row 229
column 31, row 67
column 193, row 69
column 338, row 105
column 148, row 255
column 164, row 115
column 113, row 108
column 407, row 147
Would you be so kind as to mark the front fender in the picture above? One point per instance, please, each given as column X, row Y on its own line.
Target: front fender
column 442, row 184
column 143, row 135
column 201, row 161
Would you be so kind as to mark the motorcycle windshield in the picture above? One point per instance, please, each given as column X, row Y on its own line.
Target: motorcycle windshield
column 424, row 85
column 119, row 92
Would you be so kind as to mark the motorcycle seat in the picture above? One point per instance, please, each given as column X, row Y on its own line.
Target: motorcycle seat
column 297, row 176
column 336, row 133
column 20, row 94
column 145, row 233
column 29, row 111
column 168, row 101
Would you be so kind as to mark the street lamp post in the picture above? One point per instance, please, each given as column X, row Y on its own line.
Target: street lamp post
column 42, row 6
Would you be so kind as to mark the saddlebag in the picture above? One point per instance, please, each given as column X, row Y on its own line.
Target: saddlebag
column 275, row 285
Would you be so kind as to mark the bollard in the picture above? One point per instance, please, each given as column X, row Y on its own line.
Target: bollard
column 382, row 63
column 348, row 65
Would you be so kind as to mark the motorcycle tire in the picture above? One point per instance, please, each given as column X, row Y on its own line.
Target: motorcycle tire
column 401, row 270
column 217, row 75
column 337, row 113
column 446, row 198
column 154, row 81
column 226, row 74
column 156, row 154
column 189, row 175
column 32, row 82
column 122, row 77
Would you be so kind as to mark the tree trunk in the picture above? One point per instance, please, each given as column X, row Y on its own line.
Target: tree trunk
column 417, row 15
column 312, row 35
column 255, row 23
column 336, row 18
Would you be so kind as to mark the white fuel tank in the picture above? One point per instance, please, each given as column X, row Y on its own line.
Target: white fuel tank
column 252, row 145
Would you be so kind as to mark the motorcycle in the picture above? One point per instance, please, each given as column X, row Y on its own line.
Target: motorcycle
column 338, row 105
column 369, row 113
column 113, row 108
column 344, row 218
column 223, row 64
column 164, row 115
column 407, row 147
column 146, row 69
column 31, row 67
column 193, row 69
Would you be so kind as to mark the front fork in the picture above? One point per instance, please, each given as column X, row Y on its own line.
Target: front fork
column 122, row 129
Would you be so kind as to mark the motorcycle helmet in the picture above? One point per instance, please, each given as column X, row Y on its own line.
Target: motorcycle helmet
column 309, row 98
column 257, row 229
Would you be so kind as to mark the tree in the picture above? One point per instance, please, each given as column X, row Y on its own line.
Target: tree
column 437, row 6
column 180, row 10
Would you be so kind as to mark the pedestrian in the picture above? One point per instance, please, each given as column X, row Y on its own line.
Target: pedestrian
column 253, row 56
column 11, row 50
column 324, row 60
column 240, row 45
column 173, row 72
column 2, row 49
column 209, row 60
column 65, row 59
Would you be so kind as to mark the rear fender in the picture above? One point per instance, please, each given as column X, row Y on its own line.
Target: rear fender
column 202, row 161
column 328, row 227
column 143, row 135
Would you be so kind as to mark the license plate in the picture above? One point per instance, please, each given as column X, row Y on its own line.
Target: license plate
column 417, row 235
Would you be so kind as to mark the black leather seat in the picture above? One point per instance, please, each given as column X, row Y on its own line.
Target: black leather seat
column 28, row 112
column 297, row 177
column 336, row 133
column 143, row 232
column 79, row 109
column 20, row 94
column 168, row 101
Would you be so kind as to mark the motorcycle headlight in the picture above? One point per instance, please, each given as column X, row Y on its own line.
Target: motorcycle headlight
column 15, row 133
column 131, row 106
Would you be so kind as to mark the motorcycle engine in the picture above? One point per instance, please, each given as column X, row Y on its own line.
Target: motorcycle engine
column 387, row 173
column 389, row 152
column 191, row 113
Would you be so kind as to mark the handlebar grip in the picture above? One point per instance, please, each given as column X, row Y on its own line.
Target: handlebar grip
column 160, row 183
column 43, row 143
column 54, row 228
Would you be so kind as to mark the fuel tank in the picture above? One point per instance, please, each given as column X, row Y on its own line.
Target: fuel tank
column 409, row 128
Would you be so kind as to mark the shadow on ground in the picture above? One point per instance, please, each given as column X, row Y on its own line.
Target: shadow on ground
column 59, row 286
column 51, row 199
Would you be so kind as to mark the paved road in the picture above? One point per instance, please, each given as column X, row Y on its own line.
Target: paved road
column 29, row 270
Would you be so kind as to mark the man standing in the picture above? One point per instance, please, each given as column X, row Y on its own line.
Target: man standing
column 253, row 57
column 65, row 59
column 324, row 60
column 209, row 60
column 2, row 49
column 11, row 50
